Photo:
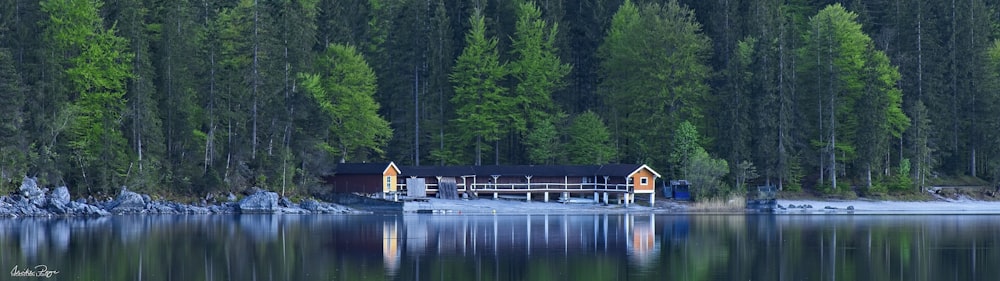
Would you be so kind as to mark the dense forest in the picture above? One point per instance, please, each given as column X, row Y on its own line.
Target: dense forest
column 189, row 97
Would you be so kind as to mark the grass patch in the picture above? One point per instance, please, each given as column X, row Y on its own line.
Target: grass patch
column 733, row 203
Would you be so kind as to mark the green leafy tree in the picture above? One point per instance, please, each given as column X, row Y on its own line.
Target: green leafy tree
column 854, row 89
column 480, row 106
column 142, row 122
column 344, row 89
column 99, row 71
column 655, row 66
column 537, row 73
column 705, row 174
column 685, row 140
column 589, row 141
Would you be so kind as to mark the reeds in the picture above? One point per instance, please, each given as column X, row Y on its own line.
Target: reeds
column 732, row 203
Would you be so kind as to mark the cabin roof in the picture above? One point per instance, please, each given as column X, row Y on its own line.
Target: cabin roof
column 442, row 171
column 364, row 168
column 623, row 170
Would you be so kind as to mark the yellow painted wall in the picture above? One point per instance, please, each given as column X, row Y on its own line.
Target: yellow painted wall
column 637, row 181
column 391, row 173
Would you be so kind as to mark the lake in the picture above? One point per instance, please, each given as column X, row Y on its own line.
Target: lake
column 503, row 247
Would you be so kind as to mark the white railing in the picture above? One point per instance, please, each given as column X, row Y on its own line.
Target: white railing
column 539, row 187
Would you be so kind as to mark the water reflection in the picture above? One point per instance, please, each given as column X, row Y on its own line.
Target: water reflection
column 522, row 247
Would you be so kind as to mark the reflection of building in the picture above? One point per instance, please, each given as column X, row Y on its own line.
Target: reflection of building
column 642, row 243
column 390, row 245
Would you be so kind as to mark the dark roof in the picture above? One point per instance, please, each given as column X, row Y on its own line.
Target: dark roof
column 618, row 169
column 361, row 168
column 443, row 171
column 522, row 170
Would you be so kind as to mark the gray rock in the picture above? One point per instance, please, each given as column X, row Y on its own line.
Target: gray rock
column 57, row 207
column 29, row 189
column 60, row 194
column 260, row 202
column 850, row 207
column 231, row 197
column 284, row 202
column 311, row 205
column 146, row 199
column 85, row 209
column 127, row 202
column 791, row 206
column 28, row 209
column 830, row 208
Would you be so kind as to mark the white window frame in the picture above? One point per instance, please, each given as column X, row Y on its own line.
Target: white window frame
column 644, row 181
column 388, row 183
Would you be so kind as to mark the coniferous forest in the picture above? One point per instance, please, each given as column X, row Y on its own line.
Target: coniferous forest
column 190, row 97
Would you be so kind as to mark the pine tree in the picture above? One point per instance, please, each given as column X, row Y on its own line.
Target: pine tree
column 344, row 89
column 646, row 98
column 13, row 148
column 589, row 141
column 537, row 72
column 98, row 71
column 480, row 106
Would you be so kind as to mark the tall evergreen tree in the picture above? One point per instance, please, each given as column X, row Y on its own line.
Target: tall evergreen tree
column 13, row 143
column 142, row 119
column 537, row 72
column 654, row 59
column 344, row 89
column 850, row 76
column 480, row 104
column 589, row 141
column 98, row 70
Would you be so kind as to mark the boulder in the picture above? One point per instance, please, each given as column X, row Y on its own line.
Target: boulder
column 60, row 194
column 260, row 202
column 231, row 197
column 284, row 202
column 127, row 202
column 81, row 209
column 851, row 207
column 311, row 205
column 29, row 189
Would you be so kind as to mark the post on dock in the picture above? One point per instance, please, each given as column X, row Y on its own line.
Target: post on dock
column 546, row 196
column 597, row 199
column 529, row 196
column 606, row 198
column 652, row 199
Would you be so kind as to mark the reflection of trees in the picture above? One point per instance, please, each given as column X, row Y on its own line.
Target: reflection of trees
column 458, row 247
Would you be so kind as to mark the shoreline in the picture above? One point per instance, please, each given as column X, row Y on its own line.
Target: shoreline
column 32, row 201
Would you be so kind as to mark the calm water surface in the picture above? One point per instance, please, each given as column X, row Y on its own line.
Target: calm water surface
column 505, row 247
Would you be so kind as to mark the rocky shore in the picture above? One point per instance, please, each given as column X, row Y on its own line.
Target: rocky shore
column 32, row 201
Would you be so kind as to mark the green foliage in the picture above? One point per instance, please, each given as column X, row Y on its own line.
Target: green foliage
column 589, row 141
column 13, row 148
column 536, row 69
column 480, row 106
column 901, row 181
column 855, row 89
column 655, row 63
column 344, row 90
column 685, row 145
column 705, row 174
column 543, row 144
column 743, row 172
column 99, row 69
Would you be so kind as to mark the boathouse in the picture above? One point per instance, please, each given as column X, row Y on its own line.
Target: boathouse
column 364, row 178
column 595, row 182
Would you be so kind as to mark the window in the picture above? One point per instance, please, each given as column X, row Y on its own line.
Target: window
column 388, row 183
column 644, row 181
